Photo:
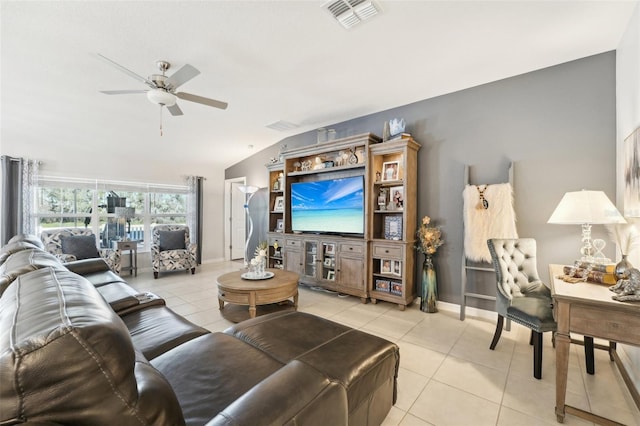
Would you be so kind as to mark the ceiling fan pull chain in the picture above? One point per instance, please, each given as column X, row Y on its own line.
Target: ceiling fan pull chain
column 160, row 120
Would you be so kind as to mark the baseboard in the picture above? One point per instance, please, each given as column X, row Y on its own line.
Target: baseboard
column 469, row 311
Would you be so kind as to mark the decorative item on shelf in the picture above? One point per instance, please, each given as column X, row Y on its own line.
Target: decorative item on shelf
column 378, row 176
column 276, row 185
column 430, row 238
column 322, row 135
column 319, row 164
column 627, row 237
column 276, row 249
column 383, row 285
column 390, row 170
column 281, row 181
column 296, row 166
column 248, row 191
column 278, row 204
column 586, row 208
column 386, row 133
column 279, row 225
column 353, row 158
column 395, row 288
column 396, row 127
column 382, row 199
column 397, row 197
column 393, row 227
column 328, row 164
column 306, row 165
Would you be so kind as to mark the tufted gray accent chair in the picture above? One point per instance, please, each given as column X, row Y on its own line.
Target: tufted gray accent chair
column 521, row 297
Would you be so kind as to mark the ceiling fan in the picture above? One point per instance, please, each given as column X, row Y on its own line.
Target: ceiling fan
column 163, row 89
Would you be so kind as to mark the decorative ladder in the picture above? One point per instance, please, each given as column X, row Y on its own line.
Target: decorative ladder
column 466, row 293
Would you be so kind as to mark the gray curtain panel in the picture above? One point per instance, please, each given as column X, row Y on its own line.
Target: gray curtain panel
column 199, row 217
column 11, row 214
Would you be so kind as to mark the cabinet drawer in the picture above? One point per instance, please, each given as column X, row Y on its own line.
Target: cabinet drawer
column 294, row 243
column 387, row 252
column 351, row 248
column 127, row 245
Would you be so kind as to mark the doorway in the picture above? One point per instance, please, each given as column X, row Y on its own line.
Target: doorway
column 235, row 227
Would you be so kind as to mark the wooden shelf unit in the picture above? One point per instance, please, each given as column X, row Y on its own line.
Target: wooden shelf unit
column 346, row 264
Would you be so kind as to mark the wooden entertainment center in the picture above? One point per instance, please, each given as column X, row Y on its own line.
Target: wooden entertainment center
column 379, row 263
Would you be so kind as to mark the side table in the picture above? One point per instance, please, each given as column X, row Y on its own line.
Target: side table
column 132, row 247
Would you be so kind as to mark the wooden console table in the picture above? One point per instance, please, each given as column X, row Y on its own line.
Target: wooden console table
column 588, row 309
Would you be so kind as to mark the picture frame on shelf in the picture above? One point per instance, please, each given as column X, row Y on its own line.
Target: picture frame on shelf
column 328, row 262
column 395, row 288
column 382, row 285
column 279, row 225
column 390, row 171
column 386, row 266
column 382, row 199
column 331, row 275
column 396, row 267
column 278, row 204
column 330, row 249
column 397, row 197
column 393, row 227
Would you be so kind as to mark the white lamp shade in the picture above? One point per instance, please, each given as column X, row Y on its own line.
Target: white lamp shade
column 247, row 189
column 585, row 207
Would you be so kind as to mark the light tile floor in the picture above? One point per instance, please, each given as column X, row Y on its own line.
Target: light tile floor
column 448, row 375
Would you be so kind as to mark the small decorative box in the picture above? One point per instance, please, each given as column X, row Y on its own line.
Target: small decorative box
column 382, row 285
column 396, row 288
column 393, row 227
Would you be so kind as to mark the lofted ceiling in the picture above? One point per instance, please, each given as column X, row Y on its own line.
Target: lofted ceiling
column 270, row 60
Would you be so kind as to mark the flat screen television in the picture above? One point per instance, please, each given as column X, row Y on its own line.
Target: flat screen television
column 331, row 206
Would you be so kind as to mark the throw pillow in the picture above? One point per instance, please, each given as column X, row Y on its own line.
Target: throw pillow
column 81, row 246
column 172, row 240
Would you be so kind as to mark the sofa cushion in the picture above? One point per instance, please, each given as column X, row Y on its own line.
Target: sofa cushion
column 56, row 322
column 210, row 372
column 80, row 246
column 172, row 240
column 157, row 329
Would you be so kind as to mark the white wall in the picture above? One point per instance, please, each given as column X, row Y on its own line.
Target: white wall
column 628, row 119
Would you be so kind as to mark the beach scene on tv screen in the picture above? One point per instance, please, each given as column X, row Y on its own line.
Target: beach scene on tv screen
column 332, row 206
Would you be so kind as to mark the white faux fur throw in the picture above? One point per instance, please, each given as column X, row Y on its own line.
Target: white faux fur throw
column 498, row 221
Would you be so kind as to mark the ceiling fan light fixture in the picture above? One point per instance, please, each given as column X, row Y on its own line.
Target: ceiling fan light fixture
column 161, row 97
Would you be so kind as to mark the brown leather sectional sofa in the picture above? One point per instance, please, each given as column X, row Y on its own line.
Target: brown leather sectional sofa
column 79, row 346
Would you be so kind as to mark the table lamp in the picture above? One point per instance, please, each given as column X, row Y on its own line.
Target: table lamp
column 586, row 208
column 248, row 191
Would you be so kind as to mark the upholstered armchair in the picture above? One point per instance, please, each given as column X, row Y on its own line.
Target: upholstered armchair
column 70, row 244
column 523, row 298
column 171, row 249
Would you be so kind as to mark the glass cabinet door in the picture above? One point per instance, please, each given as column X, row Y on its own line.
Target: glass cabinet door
column 311, row 257
column 329, row 261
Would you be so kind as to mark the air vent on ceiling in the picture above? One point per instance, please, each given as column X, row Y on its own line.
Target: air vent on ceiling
column 351, row 12
column 282, row 126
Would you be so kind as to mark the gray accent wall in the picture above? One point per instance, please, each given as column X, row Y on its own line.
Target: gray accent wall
column 557, row 125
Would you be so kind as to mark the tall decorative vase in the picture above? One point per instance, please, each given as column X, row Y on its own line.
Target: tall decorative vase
column 622, row 268
column 429, row 297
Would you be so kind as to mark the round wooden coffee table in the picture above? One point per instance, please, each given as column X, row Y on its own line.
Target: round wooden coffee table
column 233, row 289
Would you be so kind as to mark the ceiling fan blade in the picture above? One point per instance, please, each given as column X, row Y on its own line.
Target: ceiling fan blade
column 175, row 110
column 128, row 72
column 181, row 76
column 121, row 92
column 202, row 100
